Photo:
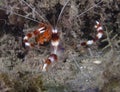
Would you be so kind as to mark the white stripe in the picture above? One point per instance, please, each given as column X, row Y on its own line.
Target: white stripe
column 90, row 42
column 55, row 50
column 27, row 44
column 99, row 28
column 54, row 31
column 99, row 35
column 51, row 59
column 25, row 38
column 44, row 67
column 40, row 29
column 55, row 43
column 97, row 23
column 96, row 26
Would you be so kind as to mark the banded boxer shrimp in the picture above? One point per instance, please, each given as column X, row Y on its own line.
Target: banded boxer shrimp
column 47, row 32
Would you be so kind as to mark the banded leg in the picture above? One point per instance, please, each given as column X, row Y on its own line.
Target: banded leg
column 42, row 34
column 99, row 35
column 55, row 41
column 32, row 34
column 51, row 59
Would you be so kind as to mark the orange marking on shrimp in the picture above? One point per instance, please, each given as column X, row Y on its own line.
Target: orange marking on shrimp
column 29, row 35
column 55, row 37
column 48, row 61
column 36, row 32
column 46, row 35
column 83, row 44
column 32, row 45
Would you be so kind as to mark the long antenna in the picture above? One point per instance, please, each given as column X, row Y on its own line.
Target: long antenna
column 21, row 15
column 88, row 9
column 34, row 10
column 62, row 12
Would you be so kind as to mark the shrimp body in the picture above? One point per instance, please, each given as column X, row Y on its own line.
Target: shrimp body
column 42, row 34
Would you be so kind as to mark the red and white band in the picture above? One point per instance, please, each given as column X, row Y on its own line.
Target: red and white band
column 99, row 35
column 32, row 34
column 51, row 59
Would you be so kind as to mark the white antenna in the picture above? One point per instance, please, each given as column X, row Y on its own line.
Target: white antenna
column 62, row 12
column 34, row 10
column 88, row 9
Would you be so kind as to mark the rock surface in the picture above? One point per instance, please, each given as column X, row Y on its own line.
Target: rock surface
column 80, row 69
